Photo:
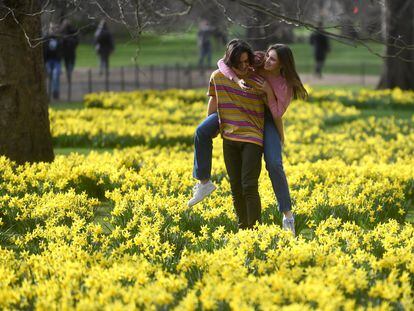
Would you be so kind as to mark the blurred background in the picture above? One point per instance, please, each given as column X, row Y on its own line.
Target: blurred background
column 179, row 48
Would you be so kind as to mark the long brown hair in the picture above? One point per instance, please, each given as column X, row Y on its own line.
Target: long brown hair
column 235, row 48
column 288, row 70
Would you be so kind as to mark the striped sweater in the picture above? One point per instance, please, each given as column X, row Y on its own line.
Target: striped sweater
column 241, row 113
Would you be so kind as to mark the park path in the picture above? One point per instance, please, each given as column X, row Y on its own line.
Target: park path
column 132, row 78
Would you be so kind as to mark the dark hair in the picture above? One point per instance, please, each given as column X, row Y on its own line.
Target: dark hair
column 231, row 42
column 235, row 48
column 288, row 70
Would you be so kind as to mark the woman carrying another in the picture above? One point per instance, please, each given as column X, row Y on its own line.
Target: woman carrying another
column 282, row 84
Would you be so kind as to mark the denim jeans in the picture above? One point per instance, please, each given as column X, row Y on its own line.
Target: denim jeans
column 53, row 68
column 274, row 164
column 203, row 146
column 243, row 164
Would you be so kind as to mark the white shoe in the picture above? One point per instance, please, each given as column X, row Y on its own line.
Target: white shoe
column 200, row 192
column 289, row 224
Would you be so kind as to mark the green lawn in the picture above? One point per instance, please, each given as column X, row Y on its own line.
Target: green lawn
column 66, row 105
column 84, row 151
column 347, row 87
column 182, row 49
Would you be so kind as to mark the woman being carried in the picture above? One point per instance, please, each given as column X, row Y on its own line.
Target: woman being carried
column 282, row 84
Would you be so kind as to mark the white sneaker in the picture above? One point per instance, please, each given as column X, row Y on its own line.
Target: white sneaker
column 200, row 191
column 289, row 224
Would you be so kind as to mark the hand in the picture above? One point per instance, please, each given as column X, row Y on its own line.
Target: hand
column 243, row 85
column 265, row 87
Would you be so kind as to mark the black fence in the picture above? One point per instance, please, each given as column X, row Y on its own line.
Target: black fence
column 88, row 80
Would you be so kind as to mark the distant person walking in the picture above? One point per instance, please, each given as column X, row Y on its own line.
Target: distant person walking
column 204, row 43
column 52, row 52
column 104, row 46
column 70, row 41
column 321, row 48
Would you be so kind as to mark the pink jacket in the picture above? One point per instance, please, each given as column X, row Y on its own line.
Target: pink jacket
column 282, row 91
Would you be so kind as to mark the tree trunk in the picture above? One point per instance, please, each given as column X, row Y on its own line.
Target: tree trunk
column 24, row 118
column 255, row 34
column 399, row 24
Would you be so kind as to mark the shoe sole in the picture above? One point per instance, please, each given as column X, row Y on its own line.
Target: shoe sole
column 201, row 199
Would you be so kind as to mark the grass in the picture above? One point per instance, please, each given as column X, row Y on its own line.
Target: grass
column 151, row 50
column 347, row 87
column 410, row 216
column 84, row 151
column 397, row 113
column 181, row 48
column 66, row 105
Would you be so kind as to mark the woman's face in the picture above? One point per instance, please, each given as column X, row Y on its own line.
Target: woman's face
column 272, row 61
column 243, row 64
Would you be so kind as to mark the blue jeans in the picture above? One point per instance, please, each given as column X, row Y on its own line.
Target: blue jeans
column 53, row 67
column 203, row 146
column 274, row 165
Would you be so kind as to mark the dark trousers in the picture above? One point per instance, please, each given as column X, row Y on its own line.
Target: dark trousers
column 69, row 66
column 243, row 163
column 104, row 64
